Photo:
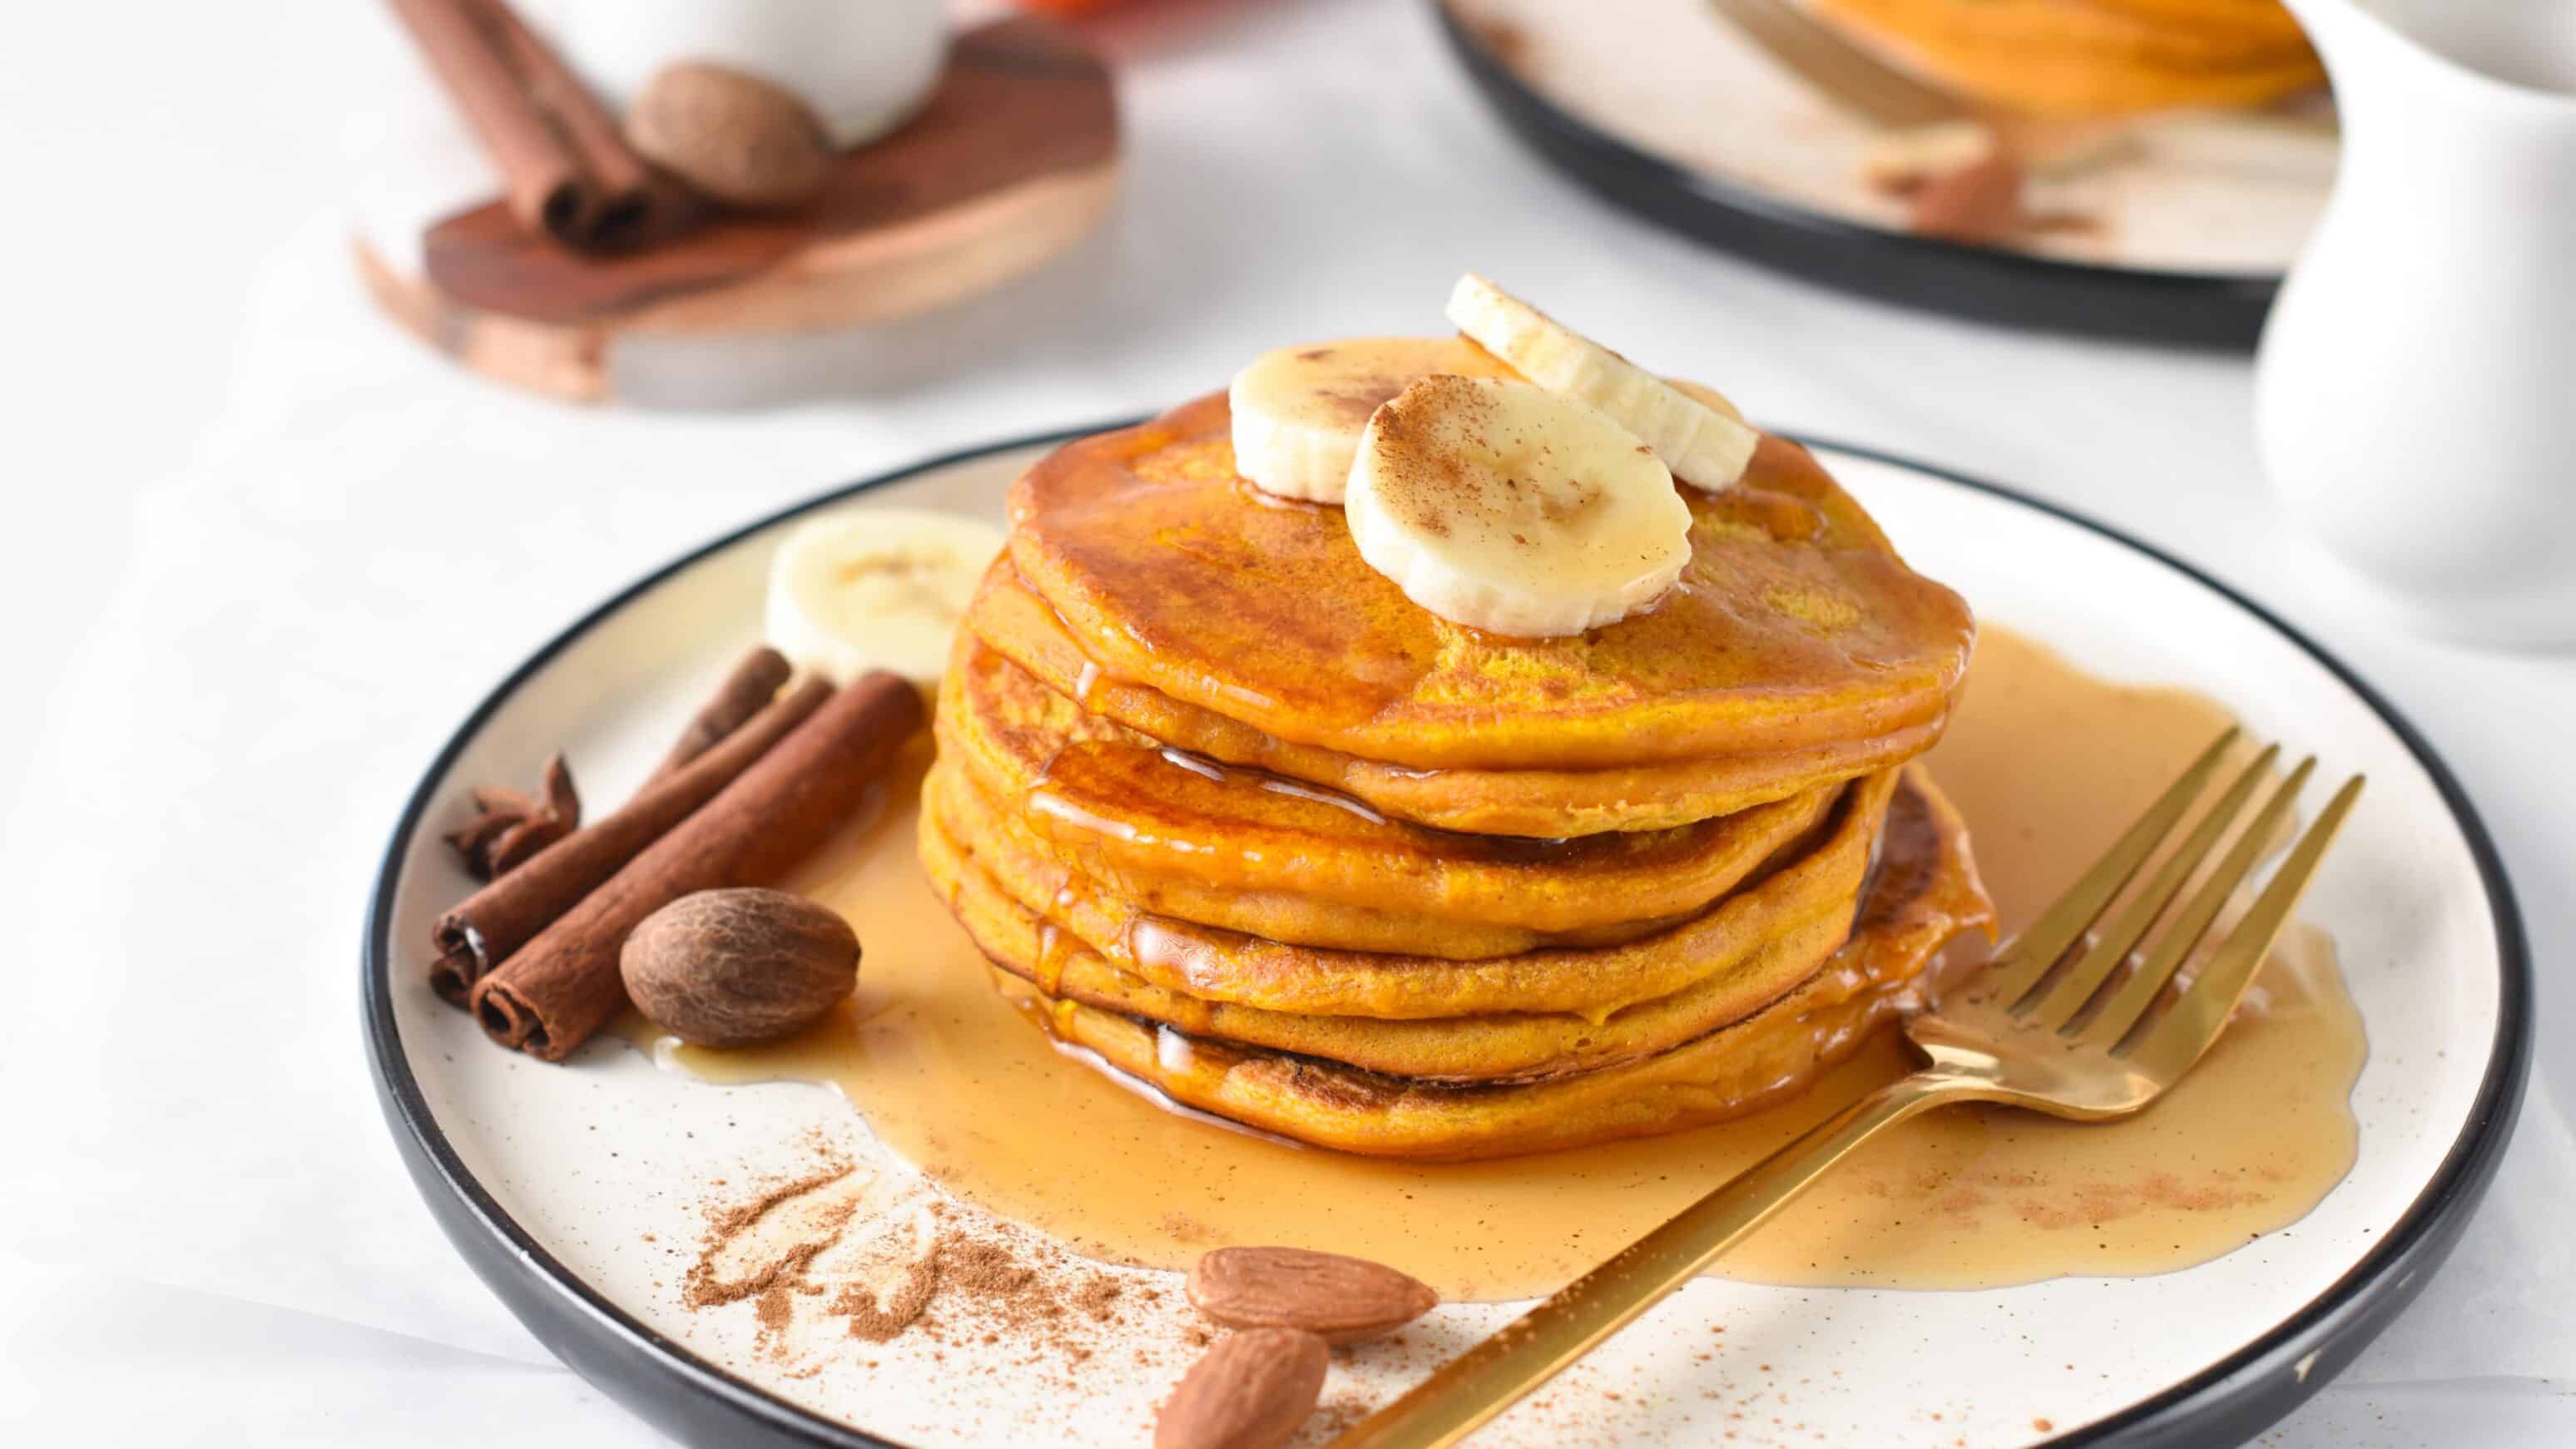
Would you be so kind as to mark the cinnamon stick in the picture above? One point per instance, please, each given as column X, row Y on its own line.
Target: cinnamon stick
column 496, row 921
column 752, row 684
column 561, row 987
column 622, row 212
column 565, row 169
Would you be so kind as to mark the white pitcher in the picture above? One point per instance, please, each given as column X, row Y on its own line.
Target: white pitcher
column 2415, row 397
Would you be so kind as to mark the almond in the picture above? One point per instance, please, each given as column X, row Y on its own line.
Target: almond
column 1251, row 1391
column 1342, row 1300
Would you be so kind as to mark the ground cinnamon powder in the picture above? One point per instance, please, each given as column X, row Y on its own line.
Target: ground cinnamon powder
column 963, row 1285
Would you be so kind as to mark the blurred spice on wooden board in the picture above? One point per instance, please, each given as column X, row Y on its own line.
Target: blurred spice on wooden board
column 568, row 173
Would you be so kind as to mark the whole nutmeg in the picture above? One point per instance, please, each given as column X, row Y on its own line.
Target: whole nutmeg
column 730, row 134
column 731, row 968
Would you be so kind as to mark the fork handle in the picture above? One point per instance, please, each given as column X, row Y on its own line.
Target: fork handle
column 1533, row 1348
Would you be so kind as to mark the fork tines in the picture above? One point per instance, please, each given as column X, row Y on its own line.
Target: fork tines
column 2033, row 976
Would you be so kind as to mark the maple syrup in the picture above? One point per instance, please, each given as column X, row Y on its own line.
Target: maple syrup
column 2046, row 763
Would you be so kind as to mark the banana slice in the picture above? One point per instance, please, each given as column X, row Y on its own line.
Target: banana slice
column 1701, row 445
column 1702, row 393
column 1507, row 507
column 876, row 588
column 1299, row 411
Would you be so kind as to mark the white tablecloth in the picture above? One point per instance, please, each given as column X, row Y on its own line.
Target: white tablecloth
column 266, row 550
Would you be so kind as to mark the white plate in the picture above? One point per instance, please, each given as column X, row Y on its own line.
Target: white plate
column 566, row 1186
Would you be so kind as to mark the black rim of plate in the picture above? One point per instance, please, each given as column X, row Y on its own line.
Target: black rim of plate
column 2219, row 310
column 698, row 1403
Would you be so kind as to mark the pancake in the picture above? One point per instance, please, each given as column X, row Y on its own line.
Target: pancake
column 1503, row 1046
column 1252, row 852
column 1722, row 946
column 1795, row 624
column 1018, row 625
column 1925, row 894
column 2096, row 57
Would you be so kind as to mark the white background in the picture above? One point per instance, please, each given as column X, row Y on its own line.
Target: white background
column 261, row 552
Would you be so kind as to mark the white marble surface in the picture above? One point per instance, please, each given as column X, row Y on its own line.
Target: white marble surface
column 266, row 551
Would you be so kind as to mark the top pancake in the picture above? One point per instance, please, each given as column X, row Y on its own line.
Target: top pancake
column 1795, row 623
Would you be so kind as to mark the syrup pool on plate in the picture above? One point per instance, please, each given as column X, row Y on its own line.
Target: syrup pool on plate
column 2046, row 762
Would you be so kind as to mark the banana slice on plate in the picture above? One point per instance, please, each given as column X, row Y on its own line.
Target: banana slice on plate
column 876, row 588
column 1510, row 508
column 1702, row 445
column 1299, row 411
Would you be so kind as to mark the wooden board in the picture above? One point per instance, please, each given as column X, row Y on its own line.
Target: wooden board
column 1013, row 158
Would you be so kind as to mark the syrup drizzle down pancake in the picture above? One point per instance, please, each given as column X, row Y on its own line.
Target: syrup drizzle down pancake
column 1817, row 882
column 1243, row 849
column 1927, row 895
column 1519, row 1046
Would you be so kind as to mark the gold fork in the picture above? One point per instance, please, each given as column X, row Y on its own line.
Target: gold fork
column 2029, row 1029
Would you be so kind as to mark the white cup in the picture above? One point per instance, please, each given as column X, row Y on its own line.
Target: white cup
column 2415, row 398
column 863, row 66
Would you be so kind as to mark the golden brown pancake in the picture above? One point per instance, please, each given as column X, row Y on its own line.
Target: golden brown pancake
column 1253, row 852
column 1497, row 1046
column 1925, row 894
column 1503, row 1046
column 1794, row 625
column 1018, row 625
column 2093, row 57
column 1817, row 885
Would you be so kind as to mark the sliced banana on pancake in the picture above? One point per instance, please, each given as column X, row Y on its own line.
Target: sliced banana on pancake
column 876, row 588
column 1702, row 445
column 1707, row 396
column 1299, row 411
column 1510, row 508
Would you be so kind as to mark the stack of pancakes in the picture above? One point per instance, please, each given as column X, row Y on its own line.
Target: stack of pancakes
column 1237, row 816
column 2096, row 57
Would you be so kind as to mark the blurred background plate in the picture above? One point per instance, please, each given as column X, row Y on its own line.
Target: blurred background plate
column 1666, row 108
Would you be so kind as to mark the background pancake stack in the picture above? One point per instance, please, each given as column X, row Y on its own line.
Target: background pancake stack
column 2097, row 57
column 1232, row 813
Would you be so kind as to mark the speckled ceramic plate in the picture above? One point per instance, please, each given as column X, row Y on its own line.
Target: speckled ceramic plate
column 1664, row 108
column 573, row 1190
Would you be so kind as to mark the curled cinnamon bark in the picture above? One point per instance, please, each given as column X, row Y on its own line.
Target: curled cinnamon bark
column 509, row 828
column 483, row 930
column 753, row 683
column 549, row 997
